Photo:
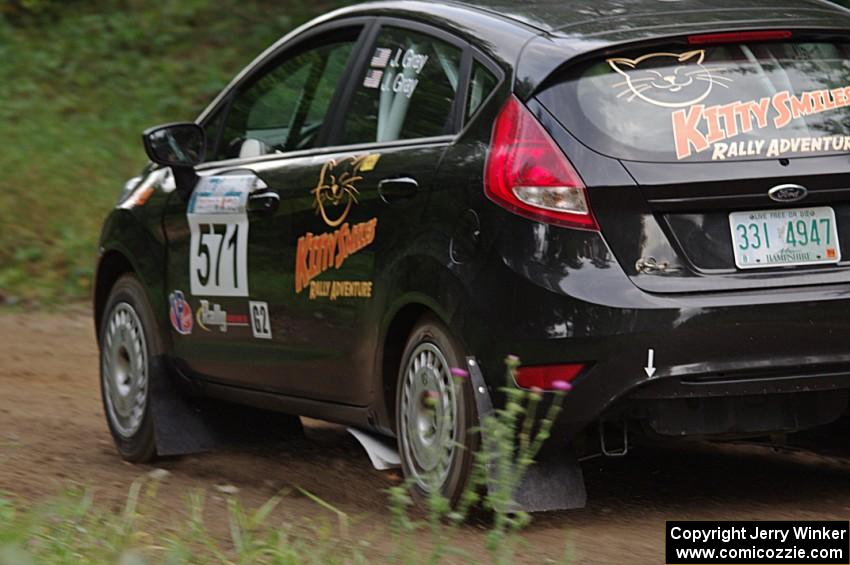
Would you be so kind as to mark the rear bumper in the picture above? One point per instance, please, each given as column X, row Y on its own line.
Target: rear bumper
column 786, row 345
column 706, row 383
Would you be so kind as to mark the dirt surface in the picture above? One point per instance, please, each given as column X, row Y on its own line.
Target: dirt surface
column 53, row 436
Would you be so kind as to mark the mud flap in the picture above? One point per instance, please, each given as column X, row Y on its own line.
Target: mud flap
column 184, row 425
column 554, row 482
column 381, row 450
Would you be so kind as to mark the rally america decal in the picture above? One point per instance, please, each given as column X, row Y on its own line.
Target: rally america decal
column 209, row 316
column 334, row 196
column 687, row 81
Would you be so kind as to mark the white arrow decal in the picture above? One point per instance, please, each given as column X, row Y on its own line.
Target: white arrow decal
column 650, row 363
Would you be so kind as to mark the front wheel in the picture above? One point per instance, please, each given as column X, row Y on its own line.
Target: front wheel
column 128, row 343
column 435, row 414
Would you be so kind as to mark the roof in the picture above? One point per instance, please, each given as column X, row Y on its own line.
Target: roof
column 567, row 29
column 560, row 17
column 530, row 39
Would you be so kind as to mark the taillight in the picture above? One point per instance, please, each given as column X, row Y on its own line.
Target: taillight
column 548, row 377
column 528, row 174
column 739, row 37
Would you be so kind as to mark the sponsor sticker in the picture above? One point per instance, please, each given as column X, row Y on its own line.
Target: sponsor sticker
column 218, row 222
column 180, row 313
column 212, row 315
column 685, row 82
column 681, row 82
column 221, row 194
column 699, row 128
column 336, row 191
column 334, row 196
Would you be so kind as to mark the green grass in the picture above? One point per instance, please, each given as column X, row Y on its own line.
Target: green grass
column 75, row 528
column 78, row 83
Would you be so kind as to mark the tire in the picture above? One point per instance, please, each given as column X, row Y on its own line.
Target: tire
column 128, row 343
column 436, row 443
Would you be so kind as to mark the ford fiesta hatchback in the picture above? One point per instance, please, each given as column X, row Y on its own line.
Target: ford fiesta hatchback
column 649, row 200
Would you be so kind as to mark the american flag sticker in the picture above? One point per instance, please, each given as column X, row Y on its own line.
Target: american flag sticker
column 373, row 78
column 381, row 57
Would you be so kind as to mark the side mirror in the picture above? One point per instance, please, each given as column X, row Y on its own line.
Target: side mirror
column 181, row 145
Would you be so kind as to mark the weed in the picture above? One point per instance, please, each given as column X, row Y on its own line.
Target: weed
column 74, row 528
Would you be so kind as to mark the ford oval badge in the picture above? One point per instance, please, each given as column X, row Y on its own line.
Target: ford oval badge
column 787, row 193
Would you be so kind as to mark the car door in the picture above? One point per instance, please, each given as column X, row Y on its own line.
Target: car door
column 227, row 237
column 356, row 208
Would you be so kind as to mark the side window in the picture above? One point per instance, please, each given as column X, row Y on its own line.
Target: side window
column 481, row 84
column 285, row 108
column 407, row 91
column 212, row 127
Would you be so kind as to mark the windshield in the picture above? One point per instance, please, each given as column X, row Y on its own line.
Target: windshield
column 749, row 101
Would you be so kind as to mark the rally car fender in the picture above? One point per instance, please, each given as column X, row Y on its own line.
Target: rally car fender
column 417, row 285
column 128, row 244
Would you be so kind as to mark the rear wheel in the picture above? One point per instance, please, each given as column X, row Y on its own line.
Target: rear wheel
column 435, row 413
column 128, row 343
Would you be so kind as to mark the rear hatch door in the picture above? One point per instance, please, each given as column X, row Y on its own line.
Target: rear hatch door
column 740, row 154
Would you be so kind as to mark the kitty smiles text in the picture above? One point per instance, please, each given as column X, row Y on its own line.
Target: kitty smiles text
column 701, row 127
column 335, row 194
column 318, row 253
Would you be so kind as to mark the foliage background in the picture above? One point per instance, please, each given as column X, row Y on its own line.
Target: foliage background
column 79, row 80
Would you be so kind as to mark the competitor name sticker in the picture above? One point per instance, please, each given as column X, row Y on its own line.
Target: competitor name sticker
column 396, row 71
column 218, row 222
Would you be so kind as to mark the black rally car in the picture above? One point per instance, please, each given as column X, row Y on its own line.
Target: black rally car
column 648, row 200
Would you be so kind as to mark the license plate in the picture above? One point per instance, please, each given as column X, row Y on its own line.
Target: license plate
column 783, row 238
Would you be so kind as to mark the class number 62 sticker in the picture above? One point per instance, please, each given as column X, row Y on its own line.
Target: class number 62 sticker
column 260, row 322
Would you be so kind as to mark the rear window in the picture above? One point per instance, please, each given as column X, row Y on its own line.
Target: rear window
column 735, row 102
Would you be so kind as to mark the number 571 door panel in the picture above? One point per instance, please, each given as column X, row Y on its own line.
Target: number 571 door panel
column 220, row 322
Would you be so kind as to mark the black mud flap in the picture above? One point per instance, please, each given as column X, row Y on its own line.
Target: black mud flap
column 184, row 424
column 554, row 482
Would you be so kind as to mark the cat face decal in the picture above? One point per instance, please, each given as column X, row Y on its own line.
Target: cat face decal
column 669, row 80
column 336, row 191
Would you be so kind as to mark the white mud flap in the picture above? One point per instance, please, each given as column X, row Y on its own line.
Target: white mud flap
column 381, row 450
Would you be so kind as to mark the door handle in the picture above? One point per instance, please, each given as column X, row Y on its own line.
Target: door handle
column 398, row 189
column 265, row 202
